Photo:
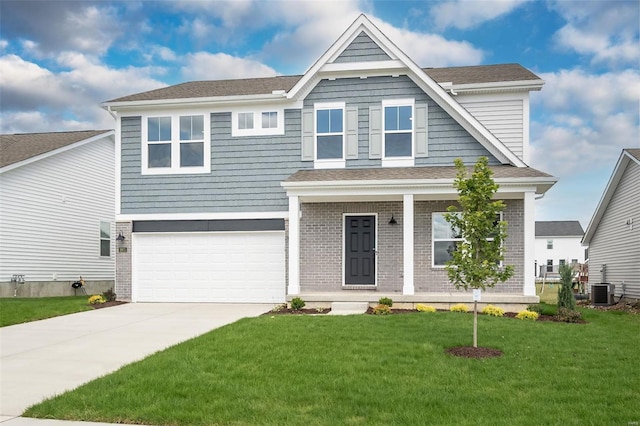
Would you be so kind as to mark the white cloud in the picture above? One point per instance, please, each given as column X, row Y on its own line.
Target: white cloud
column 3, row 44
column 586, row 120
column 467, row 14
column 219, row 66
column 64, row 100
column 431, row 50
column 606, row 31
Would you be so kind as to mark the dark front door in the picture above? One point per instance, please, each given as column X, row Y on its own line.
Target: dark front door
column 360, row 244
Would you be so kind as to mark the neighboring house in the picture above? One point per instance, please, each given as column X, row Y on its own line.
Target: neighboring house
column 613, row 235
column 57, row 212
column 558, row 242
column 329, row 185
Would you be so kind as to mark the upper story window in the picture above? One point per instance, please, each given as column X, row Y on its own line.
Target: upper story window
column 329, row 131
column 398, row 129
column 549, row 244
column 257, row 123
column 175, row 144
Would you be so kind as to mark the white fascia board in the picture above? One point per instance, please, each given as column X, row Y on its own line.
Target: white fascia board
column 614, row 180
column 384, row 67
column 44, row 155
column 404, row 186
column 201, row 216
column 494, row 87
column 190, row 102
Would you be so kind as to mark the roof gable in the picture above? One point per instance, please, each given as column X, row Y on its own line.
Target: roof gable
column 628, row 157
column 362, row 49
column 559, row 228
column 399, row 62
column 19, row 149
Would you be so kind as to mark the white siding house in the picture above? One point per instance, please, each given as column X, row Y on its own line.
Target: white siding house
column 558, row 242
column 57, row 211
column 613, row 235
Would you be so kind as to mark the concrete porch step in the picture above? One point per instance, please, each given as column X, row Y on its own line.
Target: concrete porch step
column 348, row 308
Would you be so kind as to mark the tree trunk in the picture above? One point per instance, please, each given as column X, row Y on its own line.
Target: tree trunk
column 475, row 324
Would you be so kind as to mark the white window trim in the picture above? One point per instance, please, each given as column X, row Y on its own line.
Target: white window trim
column 433, row 240
column 109, row 256
column 175, row 168
column 331, row 163
column 407, row 161
column 257, row 122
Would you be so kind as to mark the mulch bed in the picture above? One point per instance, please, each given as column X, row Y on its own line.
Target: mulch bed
column 107, row 304
column 471, row 352
column 308, row 311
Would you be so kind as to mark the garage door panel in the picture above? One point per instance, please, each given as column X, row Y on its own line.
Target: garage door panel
column 209, row 267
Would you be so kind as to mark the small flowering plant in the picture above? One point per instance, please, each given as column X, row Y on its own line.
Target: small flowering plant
column 96, row 299
column 527, row 315
column 493, row 311
column 460, row 307
column 420, row 307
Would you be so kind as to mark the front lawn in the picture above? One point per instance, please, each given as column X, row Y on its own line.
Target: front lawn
column 21, row 309
column 364, row 369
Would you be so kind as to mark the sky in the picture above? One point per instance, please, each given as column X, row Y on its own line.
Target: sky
column 60, row 59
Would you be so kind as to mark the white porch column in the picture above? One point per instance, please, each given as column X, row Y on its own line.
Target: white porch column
column 407, row 238
column 294, row 245
column 529, row 244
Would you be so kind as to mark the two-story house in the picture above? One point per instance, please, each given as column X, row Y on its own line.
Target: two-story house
column 329, row 185
column 558, row 242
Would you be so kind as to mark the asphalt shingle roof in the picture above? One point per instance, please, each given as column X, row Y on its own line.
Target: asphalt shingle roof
column 400, row 173
column 262, row 86
column 559, row 228
column 19, row 147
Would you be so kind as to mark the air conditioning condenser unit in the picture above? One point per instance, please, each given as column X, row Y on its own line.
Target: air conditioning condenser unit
column 602, row 294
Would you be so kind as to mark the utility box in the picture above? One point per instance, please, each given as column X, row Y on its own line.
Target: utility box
column 602, row 294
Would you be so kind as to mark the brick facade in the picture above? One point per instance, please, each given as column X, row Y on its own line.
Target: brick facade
column 321, row 246
column 123, row 262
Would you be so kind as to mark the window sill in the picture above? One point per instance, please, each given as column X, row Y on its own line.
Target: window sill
column 398, row 162
column 329, row 164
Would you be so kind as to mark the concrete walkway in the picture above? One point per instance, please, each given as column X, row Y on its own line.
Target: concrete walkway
column 44, row 358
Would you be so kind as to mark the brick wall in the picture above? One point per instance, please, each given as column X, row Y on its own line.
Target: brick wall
column 321, row 246
column 123, row 262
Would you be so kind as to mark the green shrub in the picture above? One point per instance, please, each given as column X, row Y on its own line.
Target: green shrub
column 385, row 301
column 460, row 307
column 279, row 308
column 535, row 308
column 381, row 310
column 568, row 315
column 297, row 303
column 424, row 308
column 493, row 311
column 527, row 315
column 565, row 295
column 109, row 295
column 96, row 299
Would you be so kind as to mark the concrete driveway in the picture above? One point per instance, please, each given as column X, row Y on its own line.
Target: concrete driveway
column 44, row 358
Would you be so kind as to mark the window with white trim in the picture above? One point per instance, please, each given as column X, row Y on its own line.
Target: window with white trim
column 445, row 239
column 176, row 144
column 105, row 239
column 398, row 128
column 329, row 127
column 257, row 122
column 549, row 244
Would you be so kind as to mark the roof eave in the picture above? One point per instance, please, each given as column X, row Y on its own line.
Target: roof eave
column 183, row 102
column 495, row 87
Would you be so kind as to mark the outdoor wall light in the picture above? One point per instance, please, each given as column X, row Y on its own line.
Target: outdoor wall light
column 393, row 220
column 120, row 238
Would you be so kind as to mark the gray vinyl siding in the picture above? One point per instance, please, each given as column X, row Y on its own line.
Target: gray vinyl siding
column 616, row 245
column 447, row 139
column 362, row 49
column 245, row 172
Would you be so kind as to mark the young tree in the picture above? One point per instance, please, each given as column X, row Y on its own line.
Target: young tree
column 477, row 260
column 565, row 295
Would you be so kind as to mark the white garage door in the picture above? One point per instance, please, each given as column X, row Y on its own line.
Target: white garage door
column 243, row 267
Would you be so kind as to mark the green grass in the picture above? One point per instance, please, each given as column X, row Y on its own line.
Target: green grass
column 550, row 293
column 363, row 370
column 19, row 310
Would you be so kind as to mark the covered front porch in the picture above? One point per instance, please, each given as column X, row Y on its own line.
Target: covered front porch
column 405, row 252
